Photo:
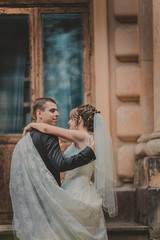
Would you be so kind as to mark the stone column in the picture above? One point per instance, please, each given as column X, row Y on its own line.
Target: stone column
column 147, row 177
column 153, row 146
column 156, row 65
column 101, row 59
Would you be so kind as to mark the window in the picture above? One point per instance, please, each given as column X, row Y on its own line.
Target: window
column 63, row 61
column 44, row 52
column 14, row 72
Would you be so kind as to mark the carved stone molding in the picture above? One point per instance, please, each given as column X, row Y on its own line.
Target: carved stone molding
column 153, row 147
column 148, row 145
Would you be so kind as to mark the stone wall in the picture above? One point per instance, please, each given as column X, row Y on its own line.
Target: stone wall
column 130, row 79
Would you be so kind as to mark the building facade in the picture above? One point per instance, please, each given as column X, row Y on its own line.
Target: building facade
column 117, row 69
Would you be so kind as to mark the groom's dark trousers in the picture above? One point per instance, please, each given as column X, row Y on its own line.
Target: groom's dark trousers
column 48, row 147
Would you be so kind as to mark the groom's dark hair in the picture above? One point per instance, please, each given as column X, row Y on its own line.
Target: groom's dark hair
column 40, row 103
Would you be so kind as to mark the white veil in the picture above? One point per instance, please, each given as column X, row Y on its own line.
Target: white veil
column 105, row 177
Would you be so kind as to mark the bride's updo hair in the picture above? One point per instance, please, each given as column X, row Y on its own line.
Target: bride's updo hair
column 73, row 114
column 86, row 111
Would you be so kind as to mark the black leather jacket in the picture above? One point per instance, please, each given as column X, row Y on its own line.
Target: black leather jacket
column 48, row 147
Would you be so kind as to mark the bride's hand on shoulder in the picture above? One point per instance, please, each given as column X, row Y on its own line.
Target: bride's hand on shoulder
column 28, row 128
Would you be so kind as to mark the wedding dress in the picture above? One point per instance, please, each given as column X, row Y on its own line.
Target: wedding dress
column 44, row 211
column 78, row 184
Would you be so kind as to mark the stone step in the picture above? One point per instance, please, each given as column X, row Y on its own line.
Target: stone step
column 6, row 232
column 127, row 231
column 116, row 231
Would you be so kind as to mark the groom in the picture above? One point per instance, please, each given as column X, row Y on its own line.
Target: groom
column 45, row 111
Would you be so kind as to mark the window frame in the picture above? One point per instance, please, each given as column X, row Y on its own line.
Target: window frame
column 35, row 46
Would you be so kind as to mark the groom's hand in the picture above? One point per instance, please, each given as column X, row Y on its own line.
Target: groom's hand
column 91, row 144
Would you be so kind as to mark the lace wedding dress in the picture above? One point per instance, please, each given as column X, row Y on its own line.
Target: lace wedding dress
column 43, row 210
column 78, row 184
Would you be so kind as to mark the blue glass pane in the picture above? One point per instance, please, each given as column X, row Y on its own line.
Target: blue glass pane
column 13, row 52
column 63, row 61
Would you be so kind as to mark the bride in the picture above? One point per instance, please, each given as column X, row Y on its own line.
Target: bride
column 75, row 210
